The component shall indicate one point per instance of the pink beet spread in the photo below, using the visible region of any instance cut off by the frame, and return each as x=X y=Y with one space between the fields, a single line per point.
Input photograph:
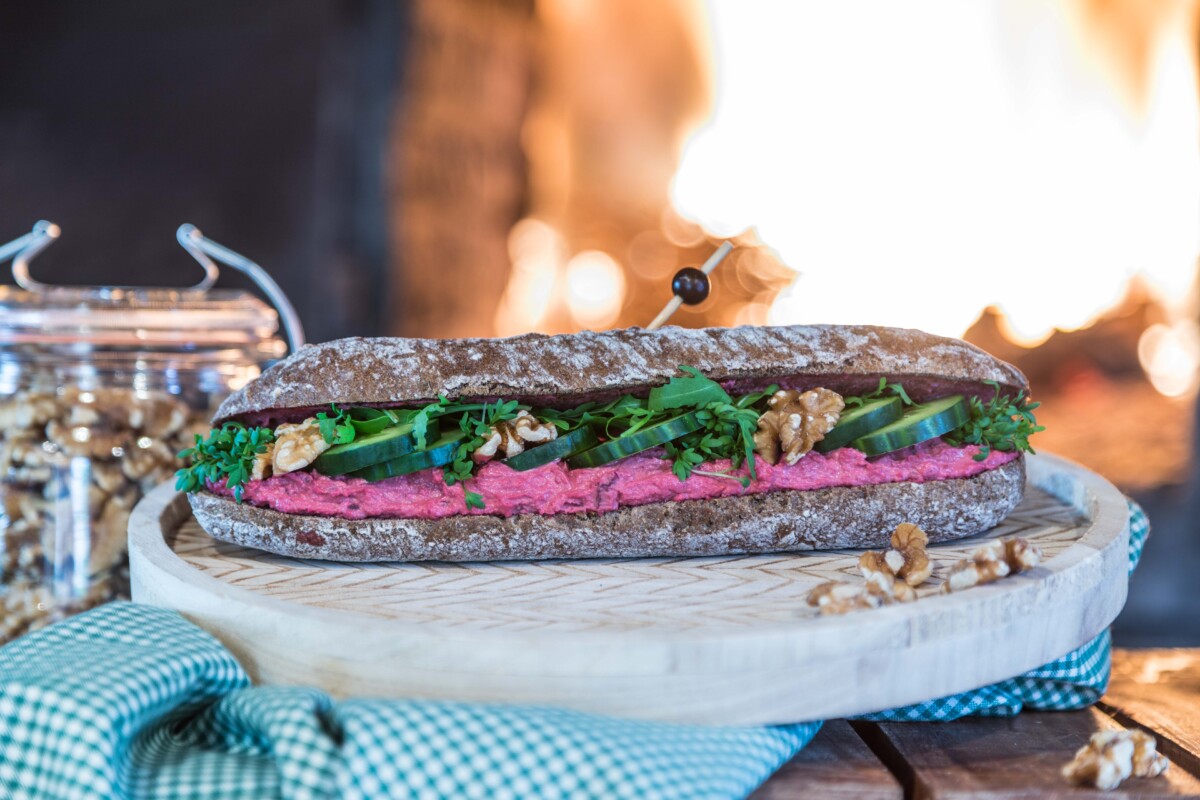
x=641 y=479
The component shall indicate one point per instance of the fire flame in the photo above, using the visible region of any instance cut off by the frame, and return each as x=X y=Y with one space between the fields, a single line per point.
x=916 y=162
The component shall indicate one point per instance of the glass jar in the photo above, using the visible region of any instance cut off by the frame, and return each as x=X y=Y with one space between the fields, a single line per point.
x=100 y=388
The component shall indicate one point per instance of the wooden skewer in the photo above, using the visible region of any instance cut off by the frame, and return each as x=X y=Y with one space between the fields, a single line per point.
x=676 y=301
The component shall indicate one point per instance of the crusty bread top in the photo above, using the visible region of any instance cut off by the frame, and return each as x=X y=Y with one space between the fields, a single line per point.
x=409 y=371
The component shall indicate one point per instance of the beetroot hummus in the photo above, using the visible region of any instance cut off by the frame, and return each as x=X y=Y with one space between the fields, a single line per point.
x=634 y=481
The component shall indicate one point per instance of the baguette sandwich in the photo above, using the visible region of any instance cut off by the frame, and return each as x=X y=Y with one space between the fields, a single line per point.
x=623 y=443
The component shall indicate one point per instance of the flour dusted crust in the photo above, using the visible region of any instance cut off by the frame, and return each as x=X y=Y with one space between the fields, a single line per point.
x=561 y=368
x=784 y=521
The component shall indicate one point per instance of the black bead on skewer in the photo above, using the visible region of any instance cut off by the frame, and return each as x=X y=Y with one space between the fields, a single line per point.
x=691 y=285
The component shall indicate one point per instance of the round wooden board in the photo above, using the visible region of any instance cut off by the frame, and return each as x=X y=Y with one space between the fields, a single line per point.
x=725 y=640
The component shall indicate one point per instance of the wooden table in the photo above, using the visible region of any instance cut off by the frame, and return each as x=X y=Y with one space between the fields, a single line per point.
x=1017 y=757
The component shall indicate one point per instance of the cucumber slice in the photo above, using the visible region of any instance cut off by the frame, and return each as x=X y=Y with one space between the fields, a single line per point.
x=919 y=424
x=438 y=454
x=870 y=416
x=638 y=441
x=568 y=444
x=376 y=448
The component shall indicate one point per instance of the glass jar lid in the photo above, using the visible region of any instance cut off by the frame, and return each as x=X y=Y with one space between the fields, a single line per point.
x=98 y=318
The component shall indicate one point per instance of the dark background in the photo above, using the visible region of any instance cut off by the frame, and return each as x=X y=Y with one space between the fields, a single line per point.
x=263 y=123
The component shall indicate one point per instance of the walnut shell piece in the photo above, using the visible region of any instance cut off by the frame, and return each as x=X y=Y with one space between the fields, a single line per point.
x=795 y=421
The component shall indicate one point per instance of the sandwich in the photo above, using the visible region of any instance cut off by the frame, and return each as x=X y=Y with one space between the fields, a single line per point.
x=622 y=443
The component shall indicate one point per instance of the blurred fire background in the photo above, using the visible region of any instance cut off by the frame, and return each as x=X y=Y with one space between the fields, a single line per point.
x=1024 y=173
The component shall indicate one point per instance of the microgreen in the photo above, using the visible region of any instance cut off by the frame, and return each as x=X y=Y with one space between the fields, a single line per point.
x=227 y=454
x=1003 y=423
x=337 y=426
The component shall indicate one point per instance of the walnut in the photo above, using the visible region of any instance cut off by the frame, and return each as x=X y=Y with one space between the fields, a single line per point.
x=1110 y=757
x=1021 y=555
x=796 y=421
x=839 y=597
x=908 y=557
x=903 y=567
x=146 y=456
x=902 y=592
x=984 y=565
x=992 y=561
x=297 y=446
x=262 y=463
x=32 y=410
x=83 y=440
x=512 y=435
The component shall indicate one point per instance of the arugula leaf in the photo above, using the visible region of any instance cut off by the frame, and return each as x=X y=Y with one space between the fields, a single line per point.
x=1003 y=423
x=883 y=388
x=691 y=392
x=226 y=455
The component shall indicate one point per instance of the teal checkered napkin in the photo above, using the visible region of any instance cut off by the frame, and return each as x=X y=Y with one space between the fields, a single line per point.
x=134 y=701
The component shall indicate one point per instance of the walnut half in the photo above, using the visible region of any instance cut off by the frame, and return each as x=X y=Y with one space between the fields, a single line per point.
x=296 y=446
x=794 y=422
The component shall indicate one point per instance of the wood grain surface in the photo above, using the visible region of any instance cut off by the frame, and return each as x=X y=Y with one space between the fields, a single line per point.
x=1159 y=690
x=1016 y=757
x=1021 y=757
x=837 y=765
x=726 y=640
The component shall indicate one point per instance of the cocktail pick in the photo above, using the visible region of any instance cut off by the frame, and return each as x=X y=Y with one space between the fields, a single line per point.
x=690 y=286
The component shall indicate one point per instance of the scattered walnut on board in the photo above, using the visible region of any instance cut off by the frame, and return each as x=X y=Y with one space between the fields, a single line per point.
x=1110 y=757
x=511 y=436
x=795 y=421
x=840 y=597
x=991 y=562
x=902 y=568
x=296 y=446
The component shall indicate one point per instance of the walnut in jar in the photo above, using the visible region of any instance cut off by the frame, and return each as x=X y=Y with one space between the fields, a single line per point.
x=69 y=449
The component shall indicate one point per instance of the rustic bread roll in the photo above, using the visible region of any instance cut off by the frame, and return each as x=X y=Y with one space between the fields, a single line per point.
x=566 y=370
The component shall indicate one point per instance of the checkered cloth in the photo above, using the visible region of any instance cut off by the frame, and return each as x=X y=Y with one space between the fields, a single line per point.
x=133 y=701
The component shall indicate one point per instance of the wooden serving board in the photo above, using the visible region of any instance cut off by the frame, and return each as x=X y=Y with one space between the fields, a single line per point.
x=726 y=640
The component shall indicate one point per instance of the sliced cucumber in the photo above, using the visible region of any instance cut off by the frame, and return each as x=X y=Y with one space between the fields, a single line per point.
x=919 y=424
x=438 y=454
x=568 y=444
x=387 y=445
x=638 y=441
x=870 y=416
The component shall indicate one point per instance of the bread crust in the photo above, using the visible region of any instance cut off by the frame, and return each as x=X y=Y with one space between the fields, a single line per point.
x=782 y=521
x=561 y=370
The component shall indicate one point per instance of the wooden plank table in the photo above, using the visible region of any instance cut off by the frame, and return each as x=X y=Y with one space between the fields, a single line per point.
x=1009 y=758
